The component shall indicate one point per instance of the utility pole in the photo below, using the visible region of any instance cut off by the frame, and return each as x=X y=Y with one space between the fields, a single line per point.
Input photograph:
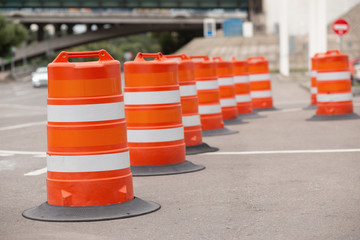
x=250 y=10
x=317 y=28
x=284 y=38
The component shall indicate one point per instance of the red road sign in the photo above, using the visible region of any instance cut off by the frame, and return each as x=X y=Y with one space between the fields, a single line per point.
x=340 y=27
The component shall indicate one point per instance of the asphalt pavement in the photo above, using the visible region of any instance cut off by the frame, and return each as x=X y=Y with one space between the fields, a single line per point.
x=280 y=177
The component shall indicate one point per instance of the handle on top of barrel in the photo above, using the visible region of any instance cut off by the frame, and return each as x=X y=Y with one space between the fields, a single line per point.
x=181 y=56
x=205 y=57
x=101 y=54
x=256 y=58
x=217 y=58
x=318 y=55
x=157 y=56
x=333 y=52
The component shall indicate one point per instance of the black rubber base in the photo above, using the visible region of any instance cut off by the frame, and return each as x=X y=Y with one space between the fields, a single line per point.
x=234 y=121
x=333 y=117
x=265 y=109
x=50 y=213
x=217 y=132
x=250 y=115
x=201 y=148
x=310 y=107
x=156 y=170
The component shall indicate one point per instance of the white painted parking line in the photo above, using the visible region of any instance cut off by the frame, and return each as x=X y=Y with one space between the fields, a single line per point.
x=286 y=152
x=43 y=155
x=23 y=107
x=22 y=152
x=36 y=172
x=6 y=154
x=23 y=125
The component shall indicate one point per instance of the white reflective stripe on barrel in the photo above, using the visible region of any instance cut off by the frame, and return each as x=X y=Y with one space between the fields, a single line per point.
x=228 y=81
x=155 y=135
x=260 y=94
x=313 y=90
x=243 y=98
x=313 y=73
x=241 y=79
x=208 y=84
x=338 y=97
x=331 y=76
x=88 y=163
x=155 y=97
x=209 y=109
x=85 y=112
x=259 y=77
x=230 y=102
x=188 y=90
x=190 y=121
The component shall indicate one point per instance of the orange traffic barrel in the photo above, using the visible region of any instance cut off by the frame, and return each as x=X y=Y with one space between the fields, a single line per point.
x=154 y=120
x=88 y=164
x=189 y=106
x=242 y=89
x=242 y=86
x=260 y=83
x=334 y=94
x=209 y=97
x=224 y=70
x=313 y=88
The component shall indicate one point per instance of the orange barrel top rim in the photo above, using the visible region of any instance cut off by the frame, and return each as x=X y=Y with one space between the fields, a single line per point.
x=158 y=72
x=314 y=61
x=332 y=59
x=257 y=64
x=185 y=68
x=240 y=67
x=224 y=68
x=206 y=68
x=140 y=65
x=67 y=79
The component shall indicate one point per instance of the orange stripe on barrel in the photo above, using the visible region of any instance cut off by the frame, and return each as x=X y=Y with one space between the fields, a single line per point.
x=153 y=115
x=86 y=138
x=106 y=187
x=260 y=85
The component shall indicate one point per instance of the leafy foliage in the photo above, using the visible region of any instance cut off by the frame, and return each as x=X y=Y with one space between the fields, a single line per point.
x=119 y=46
x=11 y=35
x=165 y=42
x=171 y=41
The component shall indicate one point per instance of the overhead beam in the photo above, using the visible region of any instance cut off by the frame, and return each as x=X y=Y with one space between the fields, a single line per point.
x=61 y=43
x=194 y=4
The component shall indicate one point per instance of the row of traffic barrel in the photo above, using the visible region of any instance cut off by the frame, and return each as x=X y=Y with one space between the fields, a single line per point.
x=100 y=136
x=331 y=93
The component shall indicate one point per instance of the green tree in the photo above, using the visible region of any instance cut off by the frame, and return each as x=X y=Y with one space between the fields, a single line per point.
x=119 y=46
x=11 y=35
x=170 y=42
x=116 y=47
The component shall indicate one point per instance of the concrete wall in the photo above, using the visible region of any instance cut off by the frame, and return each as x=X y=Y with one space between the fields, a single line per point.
x=267 y=46
x=299 y=14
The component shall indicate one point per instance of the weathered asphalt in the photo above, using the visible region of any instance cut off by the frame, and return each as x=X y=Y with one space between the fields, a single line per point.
x=253 y=194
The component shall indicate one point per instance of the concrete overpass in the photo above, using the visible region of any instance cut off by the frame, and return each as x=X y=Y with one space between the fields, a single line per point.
x=125 y=3
x=118 y=24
